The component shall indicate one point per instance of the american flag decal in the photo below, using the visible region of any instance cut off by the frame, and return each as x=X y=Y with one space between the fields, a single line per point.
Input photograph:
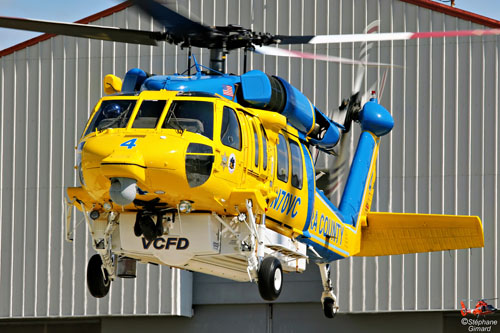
x=227 y=90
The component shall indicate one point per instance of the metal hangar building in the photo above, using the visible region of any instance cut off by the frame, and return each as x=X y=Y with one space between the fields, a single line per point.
x=441 y=157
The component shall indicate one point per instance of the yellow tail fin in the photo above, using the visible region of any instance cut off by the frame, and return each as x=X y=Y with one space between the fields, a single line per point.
x=398 y=233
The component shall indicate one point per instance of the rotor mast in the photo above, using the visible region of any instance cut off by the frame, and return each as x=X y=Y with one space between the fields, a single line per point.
x=218 y=60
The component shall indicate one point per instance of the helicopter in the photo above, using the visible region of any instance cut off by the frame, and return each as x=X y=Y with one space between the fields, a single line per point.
x=482 y=308
x=213 y=172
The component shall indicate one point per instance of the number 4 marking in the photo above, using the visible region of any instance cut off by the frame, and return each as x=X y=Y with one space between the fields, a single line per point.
x=129 y=144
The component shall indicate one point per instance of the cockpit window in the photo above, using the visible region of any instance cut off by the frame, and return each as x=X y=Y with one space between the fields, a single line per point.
x=296 y=165
x=112 y=114
x=230 y=130
x=264 y=148
x=256 y=140
x=149 y=113
x=282 y=159
x=192 y=116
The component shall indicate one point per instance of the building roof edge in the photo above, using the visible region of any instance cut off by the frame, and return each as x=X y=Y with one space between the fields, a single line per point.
x=86 y=20
x=456 y=12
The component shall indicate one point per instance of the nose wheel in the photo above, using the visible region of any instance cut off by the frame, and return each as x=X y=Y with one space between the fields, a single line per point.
x=270 y=278
x=98 y=280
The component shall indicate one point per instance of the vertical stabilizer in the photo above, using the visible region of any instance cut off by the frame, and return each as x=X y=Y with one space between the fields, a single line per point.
x=356 y=200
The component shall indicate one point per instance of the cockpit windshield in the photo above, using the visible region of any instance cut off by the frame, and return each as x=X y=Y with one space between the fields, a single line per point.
x=149 y=113
x=192 y=116
x=112 y=114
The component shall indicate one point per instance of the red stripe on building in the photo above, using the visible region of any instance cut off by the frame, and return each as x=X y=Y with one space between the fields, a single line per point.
x=455 y=12
x=86 y=20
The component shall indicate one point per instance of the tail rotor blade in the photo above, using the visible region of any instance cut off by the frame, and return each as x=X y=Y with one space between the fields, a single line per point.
x=339 y=167
x=336 y=174
x=382 y=85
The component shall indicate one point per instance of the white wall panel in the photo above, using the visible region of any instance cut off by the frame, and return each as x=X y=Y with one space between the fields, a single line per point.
x=51 y=88
x=441 y=157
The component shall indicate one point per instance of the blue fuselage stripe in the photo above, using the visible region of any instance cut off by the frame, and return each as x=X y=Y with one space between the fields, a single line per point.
x=327 y=254
x=334 y=209
x=356 y=183
x=311 y=185
x=323 y=243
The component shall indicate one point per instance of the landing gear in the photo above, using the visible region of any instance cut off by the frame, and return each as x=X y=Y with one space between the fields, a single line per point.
x=329 y=307
x=328 y=299
x=98 y=280
x=269 y=273
x=270 y=278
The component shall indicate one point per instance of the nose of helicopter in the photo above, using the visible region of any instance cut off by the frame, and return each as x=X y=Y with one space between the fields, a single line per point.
x=124 y=164
x=146 y=166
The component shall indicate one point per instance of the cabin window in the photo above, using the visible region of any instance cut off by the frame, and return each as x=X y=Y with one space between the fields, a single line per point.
x=264 y=148
x=256 y=139
x=282 y=171
x=191 y=116
x=149 y=113
x=112 y=114
x=199 y=162
x=296 y=165
x=230 y=130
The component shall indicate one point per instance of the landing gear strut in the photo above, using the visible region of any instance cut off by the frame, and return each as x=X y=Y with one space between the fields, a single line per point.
x=328 y=299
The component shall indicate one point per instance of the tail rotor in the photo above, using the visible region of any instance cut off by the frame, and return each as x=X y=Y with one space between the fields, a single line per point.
x=349 y=110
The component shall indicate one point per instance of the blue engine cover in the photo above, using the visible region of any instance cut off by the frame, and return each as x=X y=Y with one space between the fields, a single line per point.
x=256 y=89
x=298 y=109
x=133 y=80
x=276 y=94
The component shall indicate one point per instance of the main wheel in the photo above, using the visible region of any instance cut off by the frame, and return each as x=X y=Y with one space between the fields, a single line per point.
x=270 y=278
x=329 y=308
x=97 y=281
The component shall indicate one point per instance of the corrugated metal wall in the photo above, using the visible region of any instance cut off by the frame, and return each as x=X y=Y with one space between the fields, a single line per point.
x=47 y=91
x=440 y=158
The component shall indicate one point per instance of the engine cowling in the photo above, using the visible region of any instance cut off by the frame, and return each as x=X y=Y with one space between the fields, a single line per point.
x=273 y=93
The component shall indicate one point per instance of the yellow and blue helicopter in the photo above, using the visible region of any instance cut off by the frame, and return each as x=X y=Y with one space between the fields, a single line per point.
x=213 y=173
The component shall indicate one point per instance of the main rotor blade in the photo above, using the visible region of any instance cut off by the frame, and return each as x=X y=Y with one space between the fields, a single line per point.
x=84 y=30
x=175 y=24
x=386 y=36
x=274 y=51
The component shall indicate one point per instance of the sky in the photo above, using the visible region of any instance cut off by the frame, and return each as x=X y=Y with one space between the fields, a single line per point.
x=73 y=10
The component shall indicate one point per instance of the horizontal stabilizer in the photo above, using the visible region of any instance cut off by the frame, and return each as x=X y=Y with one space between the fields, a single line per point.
x=398 y=233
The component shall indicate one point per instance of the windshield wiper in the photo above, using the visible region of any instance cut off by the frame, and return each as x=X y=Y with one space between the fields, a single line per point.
x=176 y=125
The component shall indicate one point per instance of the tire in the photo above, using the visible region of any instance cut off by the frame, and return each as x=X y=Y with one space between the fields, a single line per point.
x=97 y=283
x=328 y=308
x=270 y=278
